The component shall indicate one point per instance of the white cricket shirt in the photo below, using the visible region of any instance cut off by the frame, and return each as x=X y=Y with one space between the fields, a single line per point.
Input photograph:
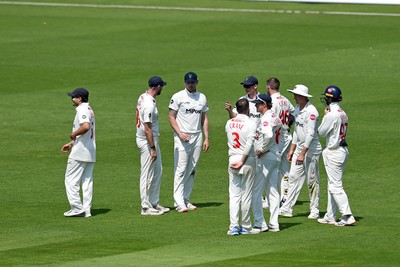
x=189 y=108
x=84 y=147
x=254 y=115
x=241 y=133
x=270 y=133
x=334 y=126
x=282 y=107
x=146 y=111
x=305 y=129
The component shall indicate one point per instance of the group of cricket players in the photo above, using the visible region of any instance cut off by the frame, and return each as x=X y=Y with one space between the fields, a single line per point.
x=273 y=148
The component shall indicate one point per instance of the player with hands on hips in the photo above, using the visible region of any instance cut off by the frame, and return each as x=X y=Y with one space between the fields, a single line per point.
x=334 y=127
x=79 y=171
x=268 y=151
x=304 y=154
x=147 y=135
x=188 y=118
x=241 y=132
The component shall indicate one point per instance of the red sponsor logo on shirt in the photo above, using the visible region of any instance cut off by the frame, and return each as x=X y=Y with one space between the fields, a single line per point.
x=265 y=123
x=313 y=117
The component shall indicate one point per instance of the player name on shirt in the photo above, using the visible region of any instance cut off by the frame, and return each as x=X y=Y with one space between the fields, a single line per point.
x=236 y=124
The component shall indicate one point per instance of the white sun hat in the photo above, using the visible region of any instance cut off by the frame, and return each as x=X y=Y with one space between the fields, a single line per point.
x=300 y=89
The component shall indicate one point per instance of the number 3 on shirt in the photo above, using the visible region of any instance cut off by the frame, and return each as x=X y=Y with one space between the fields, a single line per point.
x=236 y=143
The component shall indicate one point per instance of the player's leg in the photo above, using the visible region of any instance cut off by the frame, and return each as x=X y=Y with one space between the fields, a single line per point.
x=273 y=193
x=146 y=173
x=193 y=159
x=247 y=182
x=261 y=173
x=337 y=164
x=73 y=176
x=180 y=162
x=296 y=180
x=284 y=168
x=154 y=193
x=311 y=165
x=234 y=198
x=87 y=187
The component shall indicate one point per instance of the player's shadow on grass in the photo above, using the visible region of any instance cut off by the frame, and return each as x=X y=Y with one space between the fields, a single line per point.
x=96 y=212
x=285 y=226
x=301 y=203
x=208 y=204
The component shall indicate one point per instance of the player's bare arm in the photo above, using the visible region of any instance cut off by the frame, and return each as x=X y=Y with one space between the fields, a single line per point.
x=172 y=120
x=228 y=107
x=150 y=140
x=204 y=123
x=81 y=130
x=67 y=147
x=291 y=151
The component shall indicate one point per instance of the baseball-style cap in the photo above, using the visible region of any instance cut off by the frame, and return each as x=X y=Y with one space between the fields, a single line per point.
x=300 y=89
x=82 y=92
x=262 y=98
x=155 y=81
x=190 y=77
x=250 y=80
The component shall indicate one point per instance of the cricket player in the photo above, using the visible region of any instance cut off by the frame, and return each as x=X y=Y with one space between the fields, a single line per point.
x=282 y=107
x=268 y=152
x=241 y=132
x=304 y=154
x=147 y=134
x=82 y=157
x=334 y=127
x=188 y=117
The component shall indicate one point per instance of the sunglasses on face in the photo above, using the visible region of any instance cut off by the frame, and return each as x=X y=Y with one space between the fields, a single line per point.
x=247 y=86
x=190 y=82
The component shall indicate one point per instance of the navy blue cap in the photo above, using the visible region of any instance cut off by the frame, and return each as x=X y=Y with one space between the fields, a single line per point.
x=262 y=98
x=155 y=81
x=250 y=80
x=190 y=77
x=82 y=92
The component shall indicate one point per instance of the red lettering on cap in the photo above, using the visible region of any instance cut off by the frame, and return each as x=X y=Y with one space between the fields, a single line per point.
x=313 y=117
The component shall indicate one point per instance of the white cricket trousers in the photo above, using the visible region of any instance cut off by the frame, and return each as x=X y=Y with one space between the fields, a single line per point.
x=240 y=193
x=79 y=173
x=268 y=172
x=335 y=162
x=150 y=174
x=284 y=168
x=186 y=156
x=298 y=173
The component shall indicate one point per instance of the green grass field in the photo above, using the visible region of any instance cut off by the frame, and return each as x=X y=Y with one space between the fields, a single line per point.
x=47 y=51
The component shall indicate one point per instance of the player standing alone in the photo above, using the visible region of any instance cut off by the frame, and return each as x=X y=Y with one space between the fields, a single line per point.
x=187 y=116
x=334 y=126
x=82 y=157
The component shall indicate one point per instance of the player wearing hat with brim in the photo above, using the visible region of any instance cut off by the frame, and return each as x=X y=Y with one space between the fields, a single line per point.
x=304 y=154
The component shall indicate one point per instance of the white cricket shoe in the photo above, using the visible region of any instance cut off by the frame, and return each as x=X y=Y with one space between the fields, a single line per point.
x=249 y=231
x=161 y=208
x=74 y=213
x=151 y=211
x=181 y=209
x=234 y=231
x=190 y=206
x=273 y=228
x=285 y=214
x=313 y=216
x=263 y=228
x=88 y=214
x=350 y=220
x=326 y=220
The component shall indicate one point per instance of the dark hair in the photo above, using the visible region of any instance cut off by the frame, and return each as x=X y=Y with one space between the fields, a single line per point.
x=242 y=106
x=84 y=99
x=274 y=83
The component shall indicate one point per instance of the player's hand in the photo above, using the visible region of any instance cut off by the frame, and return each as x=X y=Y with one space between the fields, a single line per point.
x=184 y=137
x=206 y=145
x=72 y=136
x=153 y=154
x=228 y=106
x=66 y=148
x=290 y=156
x=300 y=159
x=259 y=153
x=237 y=165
